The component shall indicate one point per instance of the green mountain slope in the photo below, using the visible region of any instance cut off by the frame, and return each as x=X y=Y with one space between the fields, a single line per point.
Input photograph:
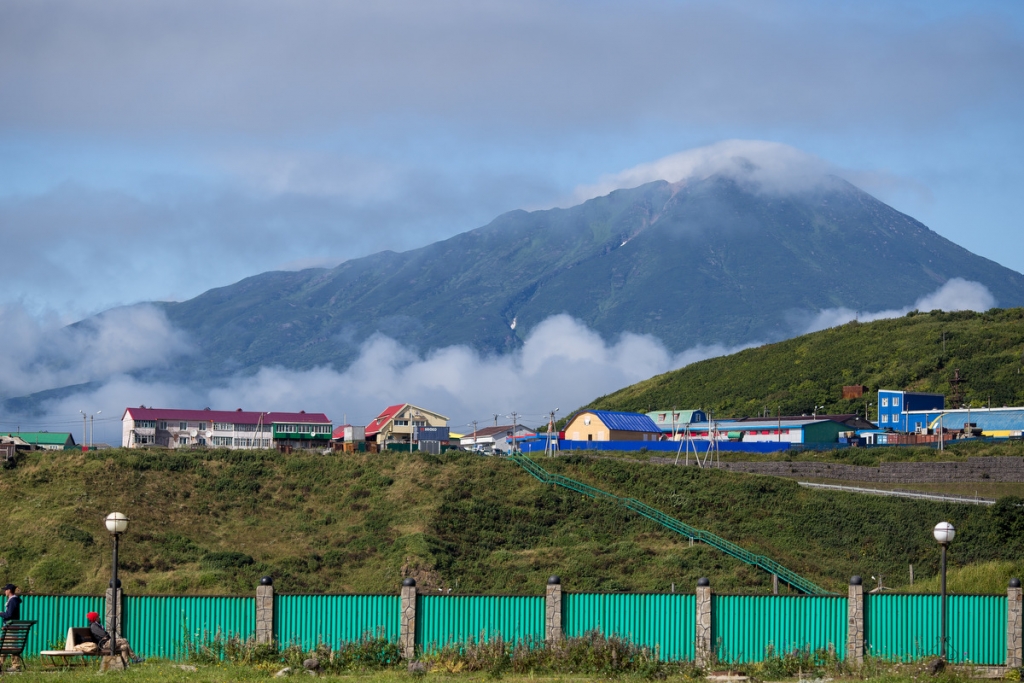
x=918 y=352
x=215 y=521
x=703 y=262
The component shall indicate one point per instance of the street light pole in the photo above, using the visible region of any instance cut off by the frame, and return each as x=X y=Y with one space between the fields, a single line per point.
x=116 y=524
x=944 y=533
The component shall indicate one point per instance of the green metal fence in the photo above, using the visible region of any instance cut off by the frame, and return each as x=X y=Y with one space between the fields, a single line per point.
x=158 y=626
x=307 y=620
x=898 y=627
x=662 y=621
x=977 y=628
x=444 y=619
x=746 y=627
x=56 y=614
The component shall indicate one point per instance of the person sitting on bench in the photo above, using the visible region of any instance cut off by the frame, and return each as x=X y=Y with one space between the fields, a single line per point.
x=12 y=612
x=103 y=638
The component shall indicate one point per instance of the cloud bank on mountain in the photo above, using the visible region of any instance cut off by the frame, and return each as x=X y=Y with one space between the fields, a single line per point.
x=561 y=365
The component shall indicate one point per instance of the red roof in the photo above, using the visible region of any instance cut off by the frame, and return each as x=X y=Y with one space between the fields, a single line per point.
x=339 y=431
x=378 y=423
x=232 y=416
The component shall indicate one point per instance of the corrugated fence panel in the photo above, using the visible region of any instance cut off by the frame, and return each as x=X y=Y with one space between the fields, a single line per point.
x=443 y=619
x=664 y=621
x=156 y=626
x=56 y=614
x=977 y=628
x=902 y=627
x=334 y=619
x=745 y=626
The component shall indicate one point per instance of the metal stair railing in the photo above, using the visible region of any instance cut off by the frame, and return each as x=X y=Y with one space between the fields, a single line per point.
x=728 y=547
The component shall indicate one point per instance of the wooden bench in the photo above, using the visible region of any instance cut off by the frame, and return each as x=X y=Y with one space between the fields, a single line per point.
x=76 y=636
x=13 y=638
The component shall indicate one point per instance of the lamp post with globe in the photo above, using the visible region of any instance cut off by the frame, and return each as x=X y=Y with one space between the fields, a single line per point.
x=944 y=533
x=116 y=524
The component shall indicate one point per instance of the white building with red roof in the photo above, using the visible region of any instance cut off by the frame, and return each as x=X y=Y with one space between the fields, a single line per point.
x=396 y=423
x=178 y=428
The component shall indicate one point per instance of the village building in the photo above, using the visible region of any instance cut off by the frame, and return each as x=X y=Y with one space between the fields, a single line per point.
x=607 y=425
x=47 y=441
x=182 y=428
x=494 y=439
x=396 y=423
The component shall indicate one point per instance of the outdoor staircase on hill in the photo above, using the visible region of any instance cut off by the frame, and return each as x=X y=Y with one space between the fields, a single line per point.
x=787 y=576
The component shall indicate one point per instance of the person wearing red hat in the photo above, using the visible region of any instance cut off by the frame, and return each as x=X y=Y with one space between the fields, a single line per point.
x=103 y=638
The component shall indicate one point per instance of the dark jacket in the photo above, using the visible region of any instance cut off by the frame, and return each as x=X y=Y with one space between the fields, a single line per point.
x=99 y=633
x=12 y=611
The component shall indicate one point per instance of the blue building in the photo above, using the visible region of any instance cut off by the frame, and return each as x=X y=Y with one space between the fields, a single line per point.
x=995 y=422
x=676 y=420
x=894 y=406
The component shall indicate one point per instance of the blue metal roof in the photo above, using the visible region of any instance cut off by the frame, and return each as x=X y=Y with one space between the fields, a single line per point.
x=625 y=422
x=994 y=420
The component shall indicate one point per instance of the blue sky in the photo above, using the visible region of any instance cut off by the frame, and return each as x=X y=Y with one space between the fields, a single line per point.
x=155 y=150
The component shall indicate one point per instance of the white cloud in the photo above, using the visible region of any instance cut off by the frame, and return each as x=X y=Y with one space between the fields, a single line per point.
x=562 y=364
x=956 y=295
x=39 y=355
x=757 y=164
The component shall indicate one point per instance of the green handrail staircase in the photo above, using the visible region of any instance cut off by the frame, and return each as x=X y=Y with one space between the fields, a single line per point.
x=671 y=523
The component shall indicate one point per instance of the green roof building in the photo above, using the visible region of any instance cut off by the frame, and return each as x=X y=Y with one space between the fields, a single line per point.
x=50 y=441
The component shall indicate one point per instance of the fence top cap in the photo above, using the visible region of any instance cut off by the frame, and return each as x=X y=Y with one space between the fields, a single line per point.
x=703 y=581
x=1014 y=583
x=409 y=581
x=267 y=581
x=855 y=580
x=554 y=580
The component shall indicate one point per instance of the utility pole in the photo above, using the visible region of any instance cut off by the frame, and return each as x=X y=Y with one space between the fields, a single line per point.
x=513 y=450
x=549 y=448
x=85 y=429
x=474 y=435
x=495 y=419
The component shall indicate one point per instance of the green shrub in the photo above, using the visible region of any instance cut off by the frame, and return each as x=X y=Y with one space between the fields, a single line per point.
x=225 y=560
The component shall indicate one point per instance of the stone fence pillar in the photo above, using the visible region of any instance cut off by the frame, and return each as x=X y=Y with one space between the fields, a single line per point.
x=1014 y=646
x=109 y=609
x=855 y=622
x=553 y=611
x=265 y=611
x=704 y=647
x=407 y=623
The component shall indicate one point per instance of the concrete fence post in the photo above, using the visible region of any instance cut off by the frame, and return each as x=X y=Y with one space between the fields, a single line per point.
x=109 y=609
x=265 y=611
x=553 y=611
x=704 y=648
x=855 y=622
x=407 y=624
x=1014 y=610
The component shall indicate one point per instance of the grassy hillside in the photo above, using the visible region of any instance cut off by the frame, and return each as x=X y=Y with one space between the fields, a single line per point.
x=213 y=522
x=798 y=374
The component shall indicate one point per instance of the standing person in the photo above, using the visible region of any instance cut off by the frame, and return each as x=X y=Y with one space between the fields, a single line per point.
x=103 y=638
x=12 y=612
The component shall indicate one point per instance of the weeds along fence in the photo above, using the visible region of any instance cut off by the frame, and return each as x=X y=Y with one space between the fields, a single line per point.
x=744 y=628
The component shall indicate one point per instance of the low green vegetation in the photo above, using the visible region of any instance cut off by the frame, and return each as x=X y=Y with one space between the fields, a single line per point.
x=213 y=522
x=918 y=352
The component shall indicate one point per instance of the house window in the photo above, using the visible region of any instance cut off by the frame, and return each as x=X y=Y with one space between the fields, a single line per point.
x=163 y=425
x=223 y=427
x=401 y=423
x=183 y=425
x=419 y=423
x=222 y=441
x=885 y=418
x=183 y=441
x=895 y=401
x=885 y=403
